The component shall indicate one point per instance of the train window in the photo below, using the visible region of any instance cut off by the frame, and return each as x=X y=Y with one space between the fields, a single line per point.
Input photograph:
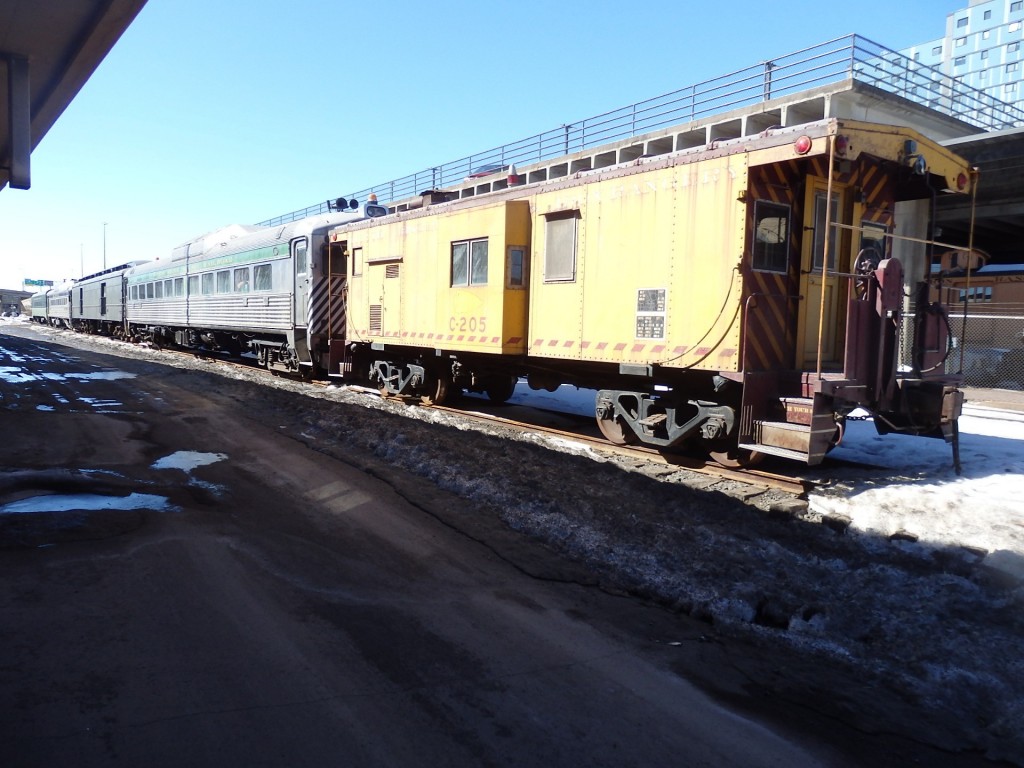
x=224 y=281
x=820 y=228
x=193 y=285
x=135 y=293
x=560 y=247
x=357 y=261
x=770 y=252
x=469 y=262
x=207 y=283
x=242 y=280
x=149 y=290
x=460 y=263
x=872 y=240
x=516 y=267
x=300 y=257
x=478 y=262
x=262 y=274
x=179 y=287
x=159 y=288
x=169 y=289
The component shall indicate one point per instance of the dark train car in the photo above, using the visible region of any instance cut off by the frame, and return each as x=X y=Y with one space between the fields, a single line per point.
x=98 y=301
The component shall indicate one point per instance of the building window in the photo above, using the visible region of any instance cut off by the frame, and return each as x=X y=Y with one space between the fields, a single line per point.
x=1012 y=47
x=961 y=42
x=469 y=262
x=937 y=50
x=770 y=252
x=959 y=61
x=984 y=55
x=961 y=23
x=1015 y=27
x=988 y=15
x=977 y=293
x=560 y=247
x=263 y=274
x=1015 y=7
x=1011 y=67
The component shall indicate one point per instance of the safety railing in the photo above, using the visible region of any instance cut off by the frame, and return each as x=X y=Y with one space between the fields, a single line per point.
x=845 y=58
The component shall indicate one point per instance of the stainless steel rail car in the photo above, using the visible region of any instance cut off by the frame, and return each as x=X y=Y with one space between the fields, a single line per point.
x=260 y=290
x=98 y=301
x=52 y=306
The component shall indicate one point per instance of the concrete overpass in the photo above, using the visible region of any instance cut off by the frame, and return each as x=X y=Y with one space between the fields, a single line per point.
x=999 y=213
x=48 y=50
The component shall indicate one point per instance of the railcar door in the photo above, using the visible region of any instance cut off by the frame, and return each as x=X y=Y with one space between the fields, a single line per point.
x=300 y=263
x=819 y=232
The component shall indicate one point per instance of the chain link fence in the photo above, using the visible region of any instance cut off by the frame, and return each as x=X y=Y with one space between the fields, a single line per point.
x=988 y=349
x=992 y=348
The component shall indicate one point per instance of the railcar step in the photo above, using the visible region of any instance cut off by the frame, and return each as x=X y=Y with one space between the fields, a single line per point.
x=797 y=410
x=775 y=451
x=783 y=434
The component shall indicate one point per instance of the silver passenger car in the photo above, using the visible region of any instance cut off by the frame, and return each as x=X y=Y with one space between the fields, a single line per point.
x=242 y=289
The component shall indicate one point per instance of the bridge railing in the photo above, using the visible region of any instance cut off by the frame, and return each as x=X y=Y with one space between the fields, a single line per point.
x=844 y=58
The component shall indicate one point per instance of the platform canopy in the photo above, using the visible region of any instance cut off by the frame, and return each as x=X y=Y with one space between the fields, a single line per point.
x=48 y=50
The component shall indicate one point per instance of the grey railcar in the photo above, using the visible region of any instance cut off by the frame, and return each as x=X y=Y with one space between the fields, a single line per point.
x=97 y=301
x=242 y=289
x=58 y=305
x=38 y=303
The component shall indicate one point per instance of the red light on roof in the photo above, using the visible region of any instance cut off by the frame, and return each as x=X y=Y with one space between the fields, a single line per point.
x=802 y=145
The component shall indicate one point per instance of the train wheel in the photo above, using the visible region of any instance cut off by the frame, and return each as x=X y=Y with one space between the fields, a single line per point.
x=737 y=458
x=436 y=391
x=616 y=432
x=500 y=388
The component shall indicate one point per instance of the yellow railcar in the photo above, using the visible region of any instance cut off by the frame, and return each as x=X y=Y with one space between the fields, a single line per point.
x=745 y=296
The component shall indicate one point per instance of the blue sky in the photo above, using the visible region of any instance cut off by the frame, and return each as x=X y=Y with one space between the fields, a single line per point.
x=210 y=113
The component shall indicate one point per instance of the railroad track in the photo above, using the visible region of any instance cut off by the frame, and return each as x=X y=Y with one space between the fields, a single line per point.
x=753 y=476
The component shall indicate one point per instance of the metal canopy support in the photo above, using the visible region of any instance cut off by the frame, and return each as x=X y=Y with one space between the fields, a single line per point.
x=20 y=122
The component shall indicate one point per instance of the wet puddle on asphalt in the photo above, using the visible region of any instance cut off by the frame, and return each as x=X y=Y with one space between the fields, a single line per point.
x=188 y=460
x=50 y=503
x=87 y=502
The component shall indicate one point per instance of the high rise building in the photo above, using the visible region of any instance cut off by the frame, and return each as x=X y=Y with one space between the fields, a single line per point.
x=981 y=48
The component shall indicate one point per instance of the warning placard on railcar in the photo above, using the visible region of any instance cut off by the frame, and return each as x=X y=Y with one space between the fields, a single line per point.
x=650 y=313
